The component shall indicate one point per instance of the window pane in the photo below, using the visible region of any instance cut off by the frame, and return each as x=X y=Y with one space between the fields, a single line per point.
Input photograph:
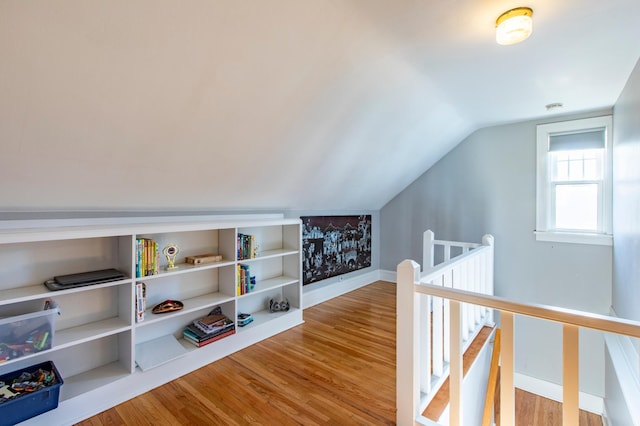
x=577 y=165
x=577 y=207
x=591 y=169
x=562 y=170
x=575 y=169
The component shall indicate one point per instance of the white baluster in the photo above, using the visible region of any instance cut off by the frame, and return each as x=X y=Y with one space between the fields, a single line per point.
x=425 y=343
x=437 y=350
x=407 y=353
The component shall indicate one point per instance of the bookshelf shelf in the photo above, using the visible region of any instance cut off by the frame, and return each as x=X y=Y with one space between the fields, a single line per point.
x=39 y=291
x=270 y=284
x=89 y=331
x=91 y=380
x=99 y=346
x=269 y=254
x=185 y=268
x=190 y=305
x=263 y=317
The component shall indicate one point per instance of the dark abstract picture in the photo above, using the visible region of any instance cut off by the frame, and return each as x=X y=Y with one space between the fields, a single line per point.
x=334 y=245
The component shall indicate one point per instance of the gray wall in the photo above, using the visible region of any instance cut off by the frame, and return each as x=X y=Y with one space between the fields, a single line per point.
x=626 y=231
x=487 y=185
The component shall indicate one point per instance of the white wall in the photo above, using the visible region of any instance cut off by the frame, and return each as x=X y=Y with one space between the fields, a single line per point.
x=626 y=203
x=487 y=185
x=626 y=249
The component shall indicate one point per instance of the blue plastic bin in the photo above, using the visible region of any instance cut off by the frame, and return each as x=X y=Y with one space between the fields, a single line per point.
x=30 y=404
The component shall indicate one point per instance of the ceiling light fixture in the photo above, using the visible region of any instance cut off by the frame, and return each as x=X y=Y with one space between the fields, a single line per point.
x=514 y=25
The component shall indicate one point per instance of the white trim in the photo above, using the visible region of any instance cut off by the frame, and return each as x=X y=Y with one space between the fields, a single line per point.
x=121 y=218
x=574 y=237
x=391 y=276
x=588 y=402
x=322 y=294
x=544 y=221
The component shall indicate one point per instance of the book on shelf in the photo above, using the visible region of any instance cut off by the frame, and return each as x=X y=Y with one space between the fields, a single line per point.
x=203 y=342
x=212 y=323
x=247 y=247
x=147 y=257
x=197 y=334
x=213 y=326
x=141 y=301
x=245 y=281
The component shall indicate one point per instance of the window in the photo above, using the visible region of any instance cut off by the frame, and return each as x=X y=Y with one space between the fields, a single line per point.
x=574 y=181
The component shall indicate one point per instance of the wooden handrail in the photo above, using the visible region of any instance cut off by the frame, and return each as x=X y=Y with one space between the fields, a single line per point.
x=552 y=313
x=492 y=382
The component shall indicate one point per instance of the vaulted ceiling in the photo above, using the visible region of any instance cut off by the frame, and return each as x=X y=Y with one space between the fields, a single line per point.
x=277 y=104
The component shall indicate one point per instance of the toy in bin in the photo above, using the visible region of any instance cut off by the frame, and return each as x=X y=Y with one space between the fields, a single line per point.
x=28 y=392
x=26 y=334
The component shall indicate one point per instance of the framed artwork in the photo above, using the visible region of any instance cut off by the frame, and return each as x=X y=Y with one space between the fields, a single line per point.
x=334 y=245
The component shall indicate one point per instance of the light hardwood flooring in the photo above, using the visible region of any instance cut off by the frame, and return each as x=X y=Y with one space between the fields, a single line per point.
x=338 y=368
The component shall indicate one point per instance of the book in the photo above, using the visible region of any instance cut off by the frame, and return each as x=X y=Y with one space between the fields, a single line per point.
x=147 y=257
x=141 y=302
x=212 y=339
x=247 y=248
x=212 y=323
x=197 y=334
x=244 y=279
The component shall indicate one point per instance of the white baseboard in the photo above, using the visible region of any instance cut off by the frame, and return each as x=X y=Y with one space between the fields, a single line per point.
x=391 y=276
x=338 y=288
x=591 y=403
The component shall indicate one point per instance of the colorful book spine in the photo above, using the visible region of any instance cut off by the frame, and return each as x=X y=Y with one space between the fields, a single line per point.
x=244 y=279
x=141 y=301
x=147 y=257
x=246 y=246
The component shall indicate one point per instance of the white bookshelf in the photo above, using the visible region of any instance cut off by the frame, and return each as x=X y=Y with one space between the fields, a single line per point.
x=97 y=339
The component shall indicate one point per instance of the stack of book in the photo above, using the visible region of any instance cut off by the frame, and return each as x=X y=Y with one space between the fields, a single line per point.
x=209 y=329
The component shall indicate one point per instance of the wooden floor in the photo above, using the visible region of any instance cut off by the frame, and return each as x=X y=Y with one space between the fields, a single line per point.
x=338 y=368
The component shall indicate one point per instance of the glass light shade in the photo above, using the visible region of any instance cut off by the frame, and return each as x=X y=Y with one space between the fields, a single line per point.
x=514 y=26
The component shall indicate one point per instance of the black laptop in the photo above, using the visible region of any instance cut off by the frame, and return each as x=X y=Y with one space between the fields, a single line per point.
x=61 y=282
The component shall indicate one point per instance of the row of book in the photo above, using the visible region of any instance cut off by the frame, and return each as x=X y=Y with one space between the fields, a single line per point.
x=247 y=247
x=147 y=257
x=209 y=329
x=246 y=282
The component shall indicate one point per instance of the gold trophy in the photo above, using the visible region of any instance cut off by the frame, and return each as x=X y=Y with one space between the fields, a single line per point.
x=170 y=252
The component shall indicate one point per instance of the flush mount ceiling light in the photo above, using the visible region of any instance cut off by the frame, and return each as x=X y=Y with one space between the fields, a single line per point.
x=514 y=25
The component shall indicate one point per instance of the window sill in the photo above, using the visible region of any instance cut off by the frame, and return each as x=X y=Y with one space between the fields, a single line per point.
x=574 y=237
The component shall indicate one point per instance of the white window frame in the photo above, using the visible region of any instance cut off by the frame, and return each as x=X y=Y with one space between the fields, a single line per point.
x=544 y=194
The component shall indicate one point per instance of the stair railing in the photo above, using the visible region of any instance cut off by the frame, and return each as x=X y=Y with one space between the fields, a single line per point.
x=411 y=288
x=467 y=266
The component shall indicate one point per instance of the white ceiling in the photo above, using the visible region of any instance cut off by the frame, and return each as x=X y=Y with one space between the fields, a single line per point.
x=288 y=104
